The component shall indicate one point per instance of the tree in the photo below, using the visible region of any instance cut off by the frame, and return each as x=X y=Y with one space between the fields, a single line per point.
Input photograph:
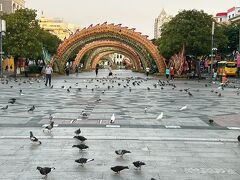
x=192 y=29
x=22 y=36
x=232 y=33
x=49 y=41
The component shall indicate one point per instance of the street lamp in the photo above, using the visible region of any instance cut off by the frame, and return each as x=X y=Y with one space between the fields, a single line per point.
x=2 y=31
x=213 y=25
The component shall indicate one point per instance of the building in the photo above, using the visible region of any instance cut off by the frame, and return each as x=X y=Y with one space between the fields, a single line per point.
x=231 y=15
x=159 y=21
x=57 y=27
x=10 y=6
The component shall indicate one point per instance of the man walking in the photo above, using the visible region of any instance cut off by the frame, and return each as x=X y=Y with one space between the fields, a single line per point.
x=147 y=70
x=48 y=72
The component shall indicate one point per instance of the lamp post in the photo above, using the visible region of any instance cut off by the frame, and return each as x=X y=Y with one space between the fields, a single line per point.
x=2 y=30
x=211 y=73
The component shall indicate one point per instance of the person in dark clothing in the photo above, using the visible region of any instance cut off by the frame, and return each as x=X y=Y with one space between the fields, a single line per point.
x=96 y=70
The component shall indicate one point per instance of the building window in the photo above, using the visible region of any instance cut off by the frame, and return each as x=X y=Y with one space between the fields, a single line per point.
x=1 y=7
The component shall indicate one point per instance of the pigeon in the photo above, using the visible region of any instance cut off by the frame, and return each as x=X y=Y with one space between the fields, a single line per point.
x=112 y=119
x=49 y=127
x=5 y=108
x=117 y=169
x=145 y=109
x=31 y=109
x=34 y=139
x=78 y=131
x=80 y=138
x=50 y=117
x=210 y=121
x=68 y=90
x=153 y=179
x=160 y=116
x=148 y=88
x=190 y=94
x=83 y=161
x=12 y=100
x=138 y=164
x=238 y=138
x=183 y=108
x=81 y=146
x=45 y=170
x=84 y=114
x=122 y=152
x=219 y=95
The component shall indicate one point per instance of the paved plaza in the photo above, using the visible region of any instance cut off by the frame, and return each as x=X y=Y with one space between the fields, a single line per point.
x=183 y=145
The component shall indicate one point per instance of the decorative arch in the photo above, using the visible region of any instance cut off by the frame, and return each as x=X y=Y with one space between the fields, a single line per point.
x=106 y=53
x=147 y=52
x=100 y=50
x=98 y=44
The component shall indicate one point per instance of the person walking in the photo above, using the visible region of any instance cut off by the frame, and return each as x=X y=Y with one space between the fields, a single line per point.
x=147 y=70
x=171 y=73
x=48 y=72
x=167 y=72
x=96 y=70
x=110 y=71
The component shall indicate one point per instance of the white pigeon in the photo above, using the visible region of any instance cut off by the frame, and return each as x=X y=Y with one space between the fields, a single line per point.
x=183 y=108
x=145 y=109
x=160 y=116
x=112 y=119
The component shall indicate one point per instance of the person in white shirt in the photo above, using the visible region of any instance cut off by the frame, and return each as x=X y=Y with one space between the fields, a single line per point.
x=48 y=72
x=147 y=70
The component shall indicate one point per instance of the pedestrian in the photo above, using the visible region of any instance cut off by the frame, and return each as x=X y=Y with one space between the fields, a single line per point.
x=147 y=70
x=171 y=73
x=76 y=70
x=110 y=71
x=48 y=72
x=167 y=72
x=67 y=70
x=96 y=70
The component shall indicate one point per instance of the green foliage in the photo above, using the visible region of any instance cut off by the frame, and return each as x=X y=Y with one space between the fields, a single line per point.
x=34 y=69
x=192 y=29
x=24 y=37
x=232 y=33
x=49 y=41
x=22 y=34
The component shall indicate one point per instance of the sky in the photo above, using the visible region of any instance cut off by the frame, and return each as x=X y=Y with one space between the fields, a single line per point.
x=139 y=14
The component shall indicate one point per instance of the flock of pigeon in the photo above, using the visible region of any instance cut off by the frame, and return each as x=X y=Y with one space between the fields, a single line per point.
x=82 y=146
x=128 y=83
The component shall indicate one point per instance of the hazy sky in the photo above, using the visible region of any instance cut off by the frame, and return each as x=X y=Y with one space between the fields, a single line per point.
x=139 y=14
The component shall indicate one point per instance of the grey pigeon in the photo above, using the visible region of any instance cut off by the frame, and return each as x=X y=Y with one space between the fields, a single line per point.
x=138 y=164
x=238 y=138
x=49 y=127
x=31 y=109
x=122 y=152
x=33 y=138
x=117 y=169
x=5 y=108
x=80 y=138
x=81 y=146
x=78 y=131
x=83 y=161
x=45 y=170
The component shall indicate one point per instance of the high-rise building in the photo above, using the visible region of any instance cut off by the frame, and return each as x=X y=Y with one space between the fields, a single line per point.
x=57 y=27
x=10 y=6
x=159 y=21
